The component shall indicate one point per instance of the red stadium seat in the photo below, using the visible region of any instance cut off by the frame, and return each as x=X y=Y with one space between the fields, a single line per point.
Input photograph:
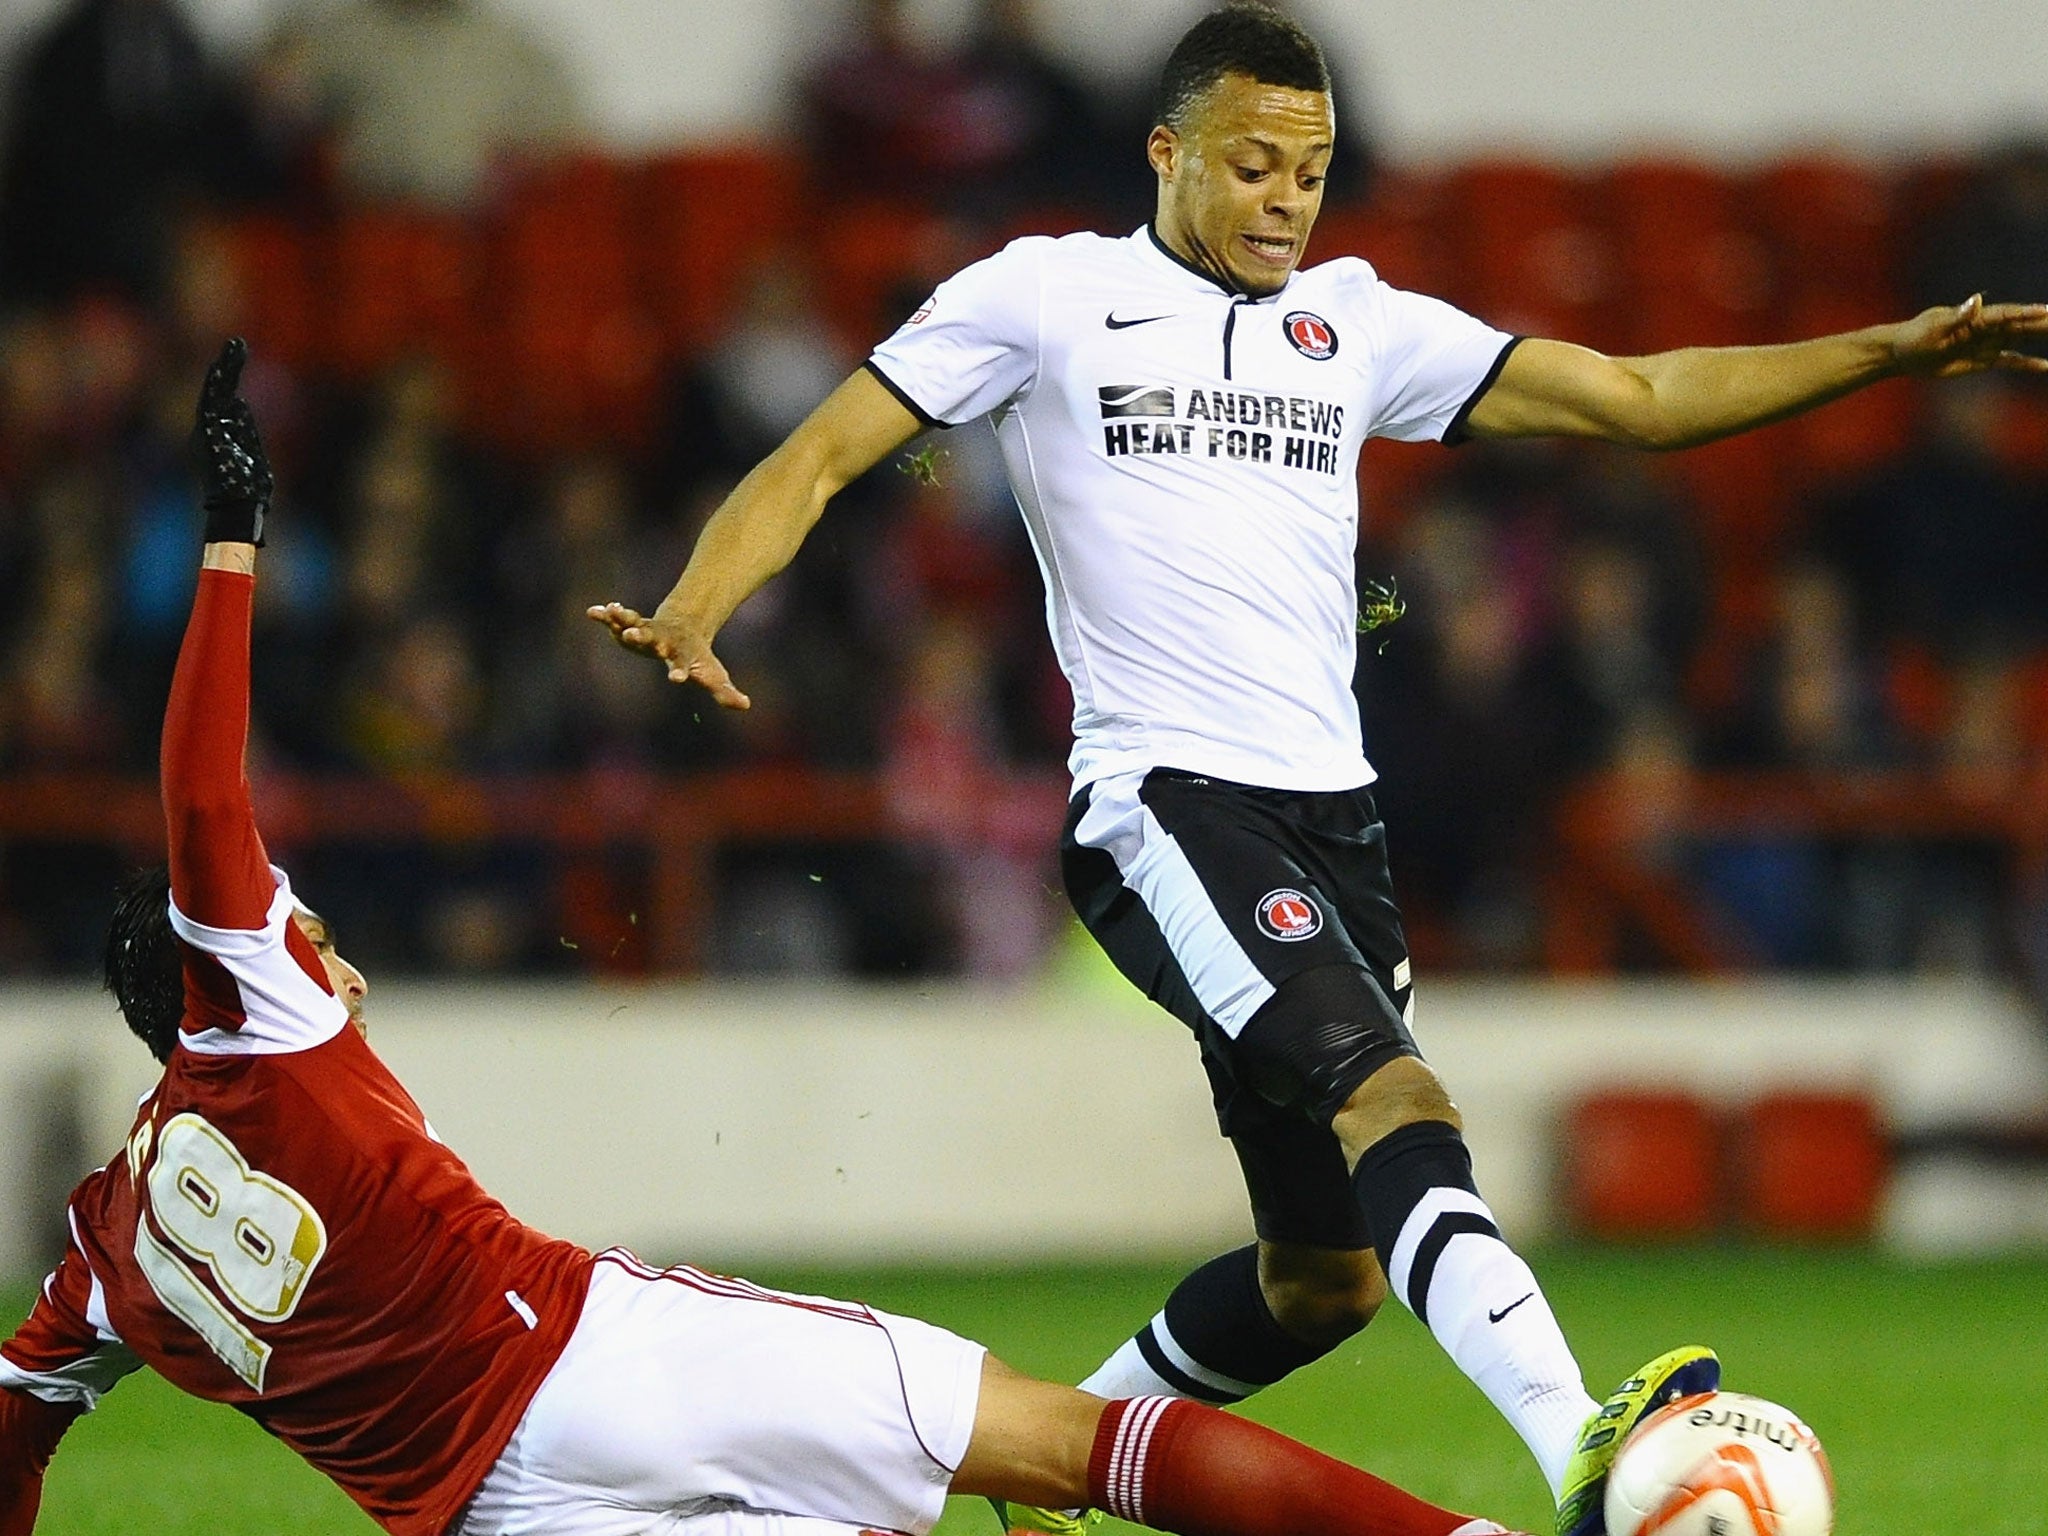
x=1400 y=232
x=1831 y=227
x=273 y=267
x=1811 y=1165
x=401 y=280
x=1692 y=273
x=563 y=238
x=577 y=353
x=711 y=215
x=877 y=259
x=1642 y=1163
x=1528 y=256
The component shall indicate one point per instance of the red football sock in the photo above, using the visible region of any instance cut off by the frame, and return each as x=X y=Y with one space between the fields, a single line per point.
x=1181 y=1467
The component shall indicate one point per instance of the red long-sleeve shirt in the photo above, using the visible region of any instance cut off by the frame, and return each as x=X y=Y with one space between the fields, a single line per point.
x=282 y=1231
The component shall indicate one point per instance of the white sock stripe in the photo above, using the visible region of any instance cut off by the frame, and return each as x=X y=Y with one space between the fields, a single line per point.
x=1113 y=1482
x=1154 y=1412
x=1437 y=1202
x=1122 y=1473
x=1170 y=1347
x=1126 y=1479
x=1131 y=1467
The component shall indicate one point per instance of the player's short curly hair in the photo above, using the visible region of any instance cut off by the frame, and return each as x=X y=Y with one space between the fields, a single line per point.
x=1245 y=37
x=143 y=969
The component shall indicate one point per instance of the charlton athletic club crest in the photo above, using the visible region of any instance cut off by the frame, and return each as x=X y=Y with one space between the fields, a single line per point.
x=1288 y=915
x=1312 y=335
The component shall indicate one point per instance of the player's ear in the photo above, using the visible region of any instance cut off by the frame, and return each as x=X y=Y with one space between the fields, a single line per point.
x=1163 y=149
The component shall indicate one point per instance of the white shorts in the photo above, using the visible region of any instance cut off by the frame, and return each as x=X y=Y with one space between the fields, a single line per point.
x=688 y=1402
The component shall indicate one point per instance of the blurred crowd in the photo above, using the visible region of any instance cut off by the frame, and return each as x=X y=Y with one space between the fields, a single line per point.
x=504 y=376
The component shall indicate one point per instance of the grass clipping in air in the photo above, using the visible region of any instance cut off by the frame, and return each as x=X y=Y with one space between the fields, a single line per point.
x=1381 y=603
x=923 y=466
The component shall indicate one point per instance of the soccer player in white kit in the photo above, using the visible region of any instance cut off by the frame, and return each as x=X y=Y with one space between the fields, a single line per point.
x=283 y=1232
x=1181 y=412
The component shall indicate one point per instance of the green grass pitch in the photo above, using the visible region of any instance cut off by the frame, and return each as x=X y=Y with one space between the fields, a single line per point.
x=1922 y=1380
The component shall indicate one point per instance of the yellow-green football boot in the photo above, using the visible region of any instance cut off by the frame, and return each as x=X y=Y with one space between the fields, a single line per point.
x=1047 y=1522
x=1688 y=1369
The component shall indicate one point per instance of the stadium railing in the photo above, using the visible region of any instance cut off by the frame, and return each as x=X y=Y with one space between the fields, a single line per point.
x=1616 y=879
x=1617 y=895
x=680 y=825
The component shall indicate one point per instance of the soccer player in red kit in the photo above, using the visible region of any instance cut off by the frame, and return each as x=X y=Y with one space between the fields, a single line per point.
x=284 y=1233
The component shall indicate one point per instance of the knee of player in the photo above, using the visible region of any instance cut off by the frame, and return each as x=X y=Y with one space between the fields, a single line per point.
x=1403 y=1092
x=1325 y=1309
x=1411 y=1088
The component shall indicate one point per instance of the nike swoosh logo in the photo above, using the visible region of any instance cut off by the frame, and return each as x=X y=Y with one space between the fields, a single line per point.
x=1494 y=1317
x=1115 y=324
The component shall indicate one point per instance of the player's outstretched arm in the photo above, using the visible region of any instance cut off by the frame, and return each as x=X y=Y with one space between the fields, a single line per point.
x=29 y=1431
x=758 y=530
x=220 y=875
x=1696 y=394
x=55 y=1367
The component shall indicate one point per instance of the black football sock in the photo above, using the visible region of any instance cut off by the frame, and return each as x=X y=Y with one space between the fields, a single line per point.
x=1216 y=1340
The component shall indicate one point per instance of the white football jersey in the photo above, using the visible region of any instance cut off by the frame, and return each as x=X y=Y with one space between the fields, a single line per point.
x=1186 y=461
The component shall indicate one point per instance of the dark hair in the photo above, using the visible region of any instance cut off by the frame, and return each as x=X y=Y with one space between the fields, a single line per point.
x=143 y=969
x=1246 y=37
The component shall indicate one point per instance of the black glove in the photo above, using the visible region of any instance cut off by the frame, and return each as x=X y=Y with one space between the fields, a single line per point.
x=234 y=476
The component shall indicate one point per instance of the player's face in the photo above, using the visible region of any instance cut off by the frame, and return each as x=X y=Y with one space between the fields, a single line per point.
x=1241 y=184
x=346 y=980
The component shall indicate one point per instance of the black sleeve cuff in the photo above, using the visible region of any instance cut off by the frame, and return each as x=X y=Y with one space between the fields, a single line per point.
x=1457 y=433
x=926 y=418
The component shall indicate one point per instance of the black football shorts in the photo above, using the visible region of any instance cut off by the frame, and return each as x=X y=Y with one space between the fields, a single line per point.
x=1264 y=920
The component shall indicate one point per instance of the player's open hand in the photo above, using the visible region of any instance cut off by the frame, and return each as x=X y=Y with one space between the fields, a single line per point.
x=1971 y=337
x=685 y=653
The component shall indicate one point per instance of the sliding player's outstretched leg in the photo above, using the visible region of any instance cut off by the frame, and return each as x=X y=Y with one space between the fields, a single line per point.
x=1178 y=1466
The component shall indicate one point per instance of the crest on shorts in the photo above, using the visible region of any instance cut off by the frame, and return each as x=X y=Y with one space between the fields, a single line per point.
x=1288 y=915
x=1312 y=335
